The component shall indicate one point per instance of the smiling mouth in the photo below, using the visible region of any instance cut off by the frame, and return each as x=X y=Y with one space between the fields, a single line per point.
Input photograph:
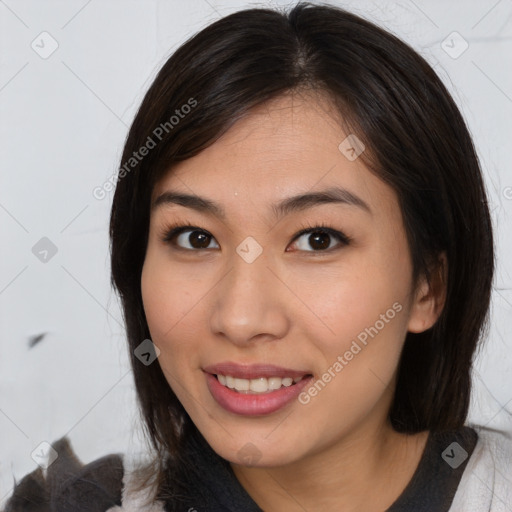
x=259 y=385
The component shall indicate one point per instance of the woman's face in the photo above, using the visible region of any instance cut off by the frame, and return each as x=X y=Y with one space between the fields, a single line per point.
x=240 y=300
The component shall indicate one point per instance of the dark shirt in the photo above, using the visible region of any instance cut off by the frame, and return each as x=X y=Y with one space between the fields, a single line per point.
x=438 y=474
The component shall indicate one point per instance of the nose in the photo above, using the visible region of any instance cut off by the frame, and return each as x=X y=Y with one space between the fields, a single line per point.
x=250 y=303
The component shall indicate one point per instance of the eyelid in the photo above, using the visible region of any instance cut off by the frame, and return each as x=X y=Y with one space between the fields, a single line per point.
x=170 y=232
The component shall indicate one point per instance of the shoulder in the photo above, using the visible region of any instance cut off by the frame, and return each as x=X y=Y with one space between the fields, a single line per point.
x=486 y=483
x=104 y=485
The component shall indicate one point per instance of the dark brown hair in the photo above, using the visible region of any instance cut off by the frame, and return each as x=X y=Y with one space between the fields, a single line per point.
x=416 y=141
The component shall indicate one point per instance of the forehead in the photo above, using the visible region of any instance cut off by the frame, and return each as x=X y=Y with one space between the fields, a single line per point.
x=291 y=145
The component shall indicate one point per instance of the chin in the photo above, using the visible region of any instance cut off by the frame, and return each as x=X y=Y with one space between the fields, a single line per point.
x=255 y=450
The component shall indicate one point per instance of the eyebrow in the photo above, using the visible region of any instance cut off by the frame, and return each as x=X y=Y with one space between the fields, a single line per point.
x=333 y=195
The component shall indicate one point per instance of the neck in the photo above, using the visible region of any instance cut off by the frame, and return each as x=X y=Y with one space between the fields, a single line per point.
x=352 y=475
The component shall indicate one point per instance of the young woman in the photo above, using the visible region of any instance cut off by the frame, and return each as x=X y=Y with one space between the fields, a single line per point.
x=301 y=240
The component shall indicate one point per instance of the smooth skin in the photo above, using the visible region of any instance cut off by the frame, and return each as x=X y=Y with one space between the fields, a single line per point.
x=296 y=305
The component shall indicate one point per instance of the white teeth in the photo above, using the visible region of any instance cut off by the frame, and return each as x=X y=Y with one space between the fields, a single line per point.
x=259 y=385
x=242 y=384
x=274 y=383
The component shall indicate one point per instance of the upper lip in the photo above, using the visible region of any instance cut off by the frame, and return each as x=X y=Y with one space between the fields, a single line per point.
x=253 y=371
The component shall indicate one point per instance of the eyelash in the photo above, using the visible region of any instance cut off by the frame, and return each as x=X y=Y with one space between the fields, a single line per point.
x=170 y=232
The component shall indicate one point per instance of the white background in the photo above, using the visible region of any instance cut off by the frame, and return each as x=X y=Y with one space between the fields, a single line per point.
x=63 y=121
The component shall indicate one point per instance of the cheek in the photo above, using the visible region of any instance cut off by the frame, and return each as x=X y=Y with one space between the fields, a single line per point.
x=361 y=323
x=168 y=296
x=156 y=298
x=340 y=301
x=359 y=357
x=368 y=336
x=172 y=305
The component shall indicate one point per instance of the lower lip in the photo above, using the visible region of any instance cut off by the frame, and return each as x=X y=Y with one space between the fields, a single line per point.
x=254 y=404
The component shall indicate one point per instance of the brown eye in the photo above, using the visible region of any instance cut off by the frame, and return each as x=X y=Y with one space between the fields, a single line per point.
x=190 y=238
x=318 y=239
x=198 y=239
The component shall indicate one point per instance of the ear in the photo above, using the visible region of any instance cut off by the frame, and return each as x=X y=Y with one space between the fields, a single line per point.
x=429 y=300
